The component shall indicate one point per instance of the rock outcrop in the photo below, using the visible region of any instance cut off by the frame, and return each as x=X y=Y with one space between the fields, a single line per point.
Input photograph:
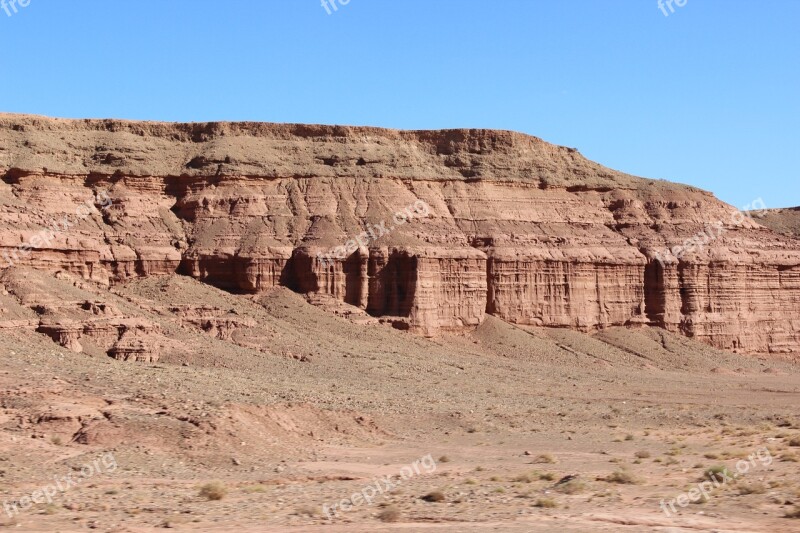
x=785 y=221
x=512 y=226
x=74 y=322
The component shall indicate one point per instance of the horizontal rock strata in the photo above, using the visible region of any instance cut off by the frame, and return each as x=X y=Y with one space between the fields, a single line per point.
x=515 y=227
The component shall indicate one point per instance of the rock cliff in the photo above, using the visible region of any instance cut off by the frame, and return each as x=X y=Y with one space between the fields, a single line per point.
x=512 y=226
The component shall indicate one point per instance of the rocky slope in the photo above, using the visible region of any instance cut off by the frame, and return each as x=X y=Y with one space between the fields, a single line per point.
x=786 y=220
x=506 y=411
x=428 y=229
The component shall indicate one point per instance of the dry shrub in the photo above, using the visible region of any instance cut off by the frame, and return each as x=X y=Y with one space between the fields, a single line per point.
x=390 y=514
x=213 y=491
x=434 y=497
x=622 y=477
x=574 y=486
x=718 y=473
x=752 y=488
x=526 y=478
x=546 y=503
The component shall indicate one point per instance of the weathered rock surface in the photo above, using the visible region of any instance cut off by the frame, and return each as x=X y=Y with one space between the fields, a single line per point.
x=786 y=220
x=75 y=322
x=515 y=227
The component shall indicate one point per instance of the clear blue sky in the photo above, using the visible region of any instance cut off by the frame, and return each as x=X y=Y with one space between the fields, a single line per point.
x=709 y=95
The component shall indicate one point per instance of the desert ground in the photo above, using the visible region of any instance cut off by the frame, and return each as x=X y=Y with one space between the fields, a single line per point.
x=306 y=403
x=434 y=267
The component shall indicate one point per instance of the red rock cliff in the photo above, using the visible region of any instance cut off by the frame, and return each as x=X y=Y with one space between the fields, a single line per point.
x=516 y=227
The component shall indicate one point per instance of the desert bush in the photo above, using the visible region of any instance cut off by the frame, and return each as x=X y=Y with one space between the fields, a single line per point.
x=434 y=497
x=752 y=488
x=213 y=491
x=526 y=478
x=306 y=510
x=718 y=473
x=574 y=486
x=252 y=489
x=622 y=477
x=546 y=503
x=390 y=514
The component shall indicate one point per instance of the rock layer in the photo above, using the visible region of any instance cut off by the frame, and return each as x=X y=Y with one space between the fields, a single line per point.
x=785 y=221
x=515 y=227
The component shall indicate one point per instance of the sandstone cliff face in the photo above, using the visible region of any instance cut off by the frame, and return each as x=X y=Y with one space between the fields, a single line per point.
x=515 y=227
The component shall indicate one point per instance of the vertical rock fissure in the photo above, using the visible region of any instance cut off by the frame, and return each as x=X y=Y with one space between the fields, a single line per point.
x=654 y=293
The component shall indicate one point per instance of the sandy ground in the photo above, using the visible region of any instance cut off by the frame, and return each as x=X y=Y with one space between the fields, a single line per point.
x=512 y=429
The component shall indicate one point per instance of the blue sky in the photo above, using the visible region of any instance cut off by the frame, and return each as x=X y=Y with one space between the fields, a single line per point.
x=709 y=95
